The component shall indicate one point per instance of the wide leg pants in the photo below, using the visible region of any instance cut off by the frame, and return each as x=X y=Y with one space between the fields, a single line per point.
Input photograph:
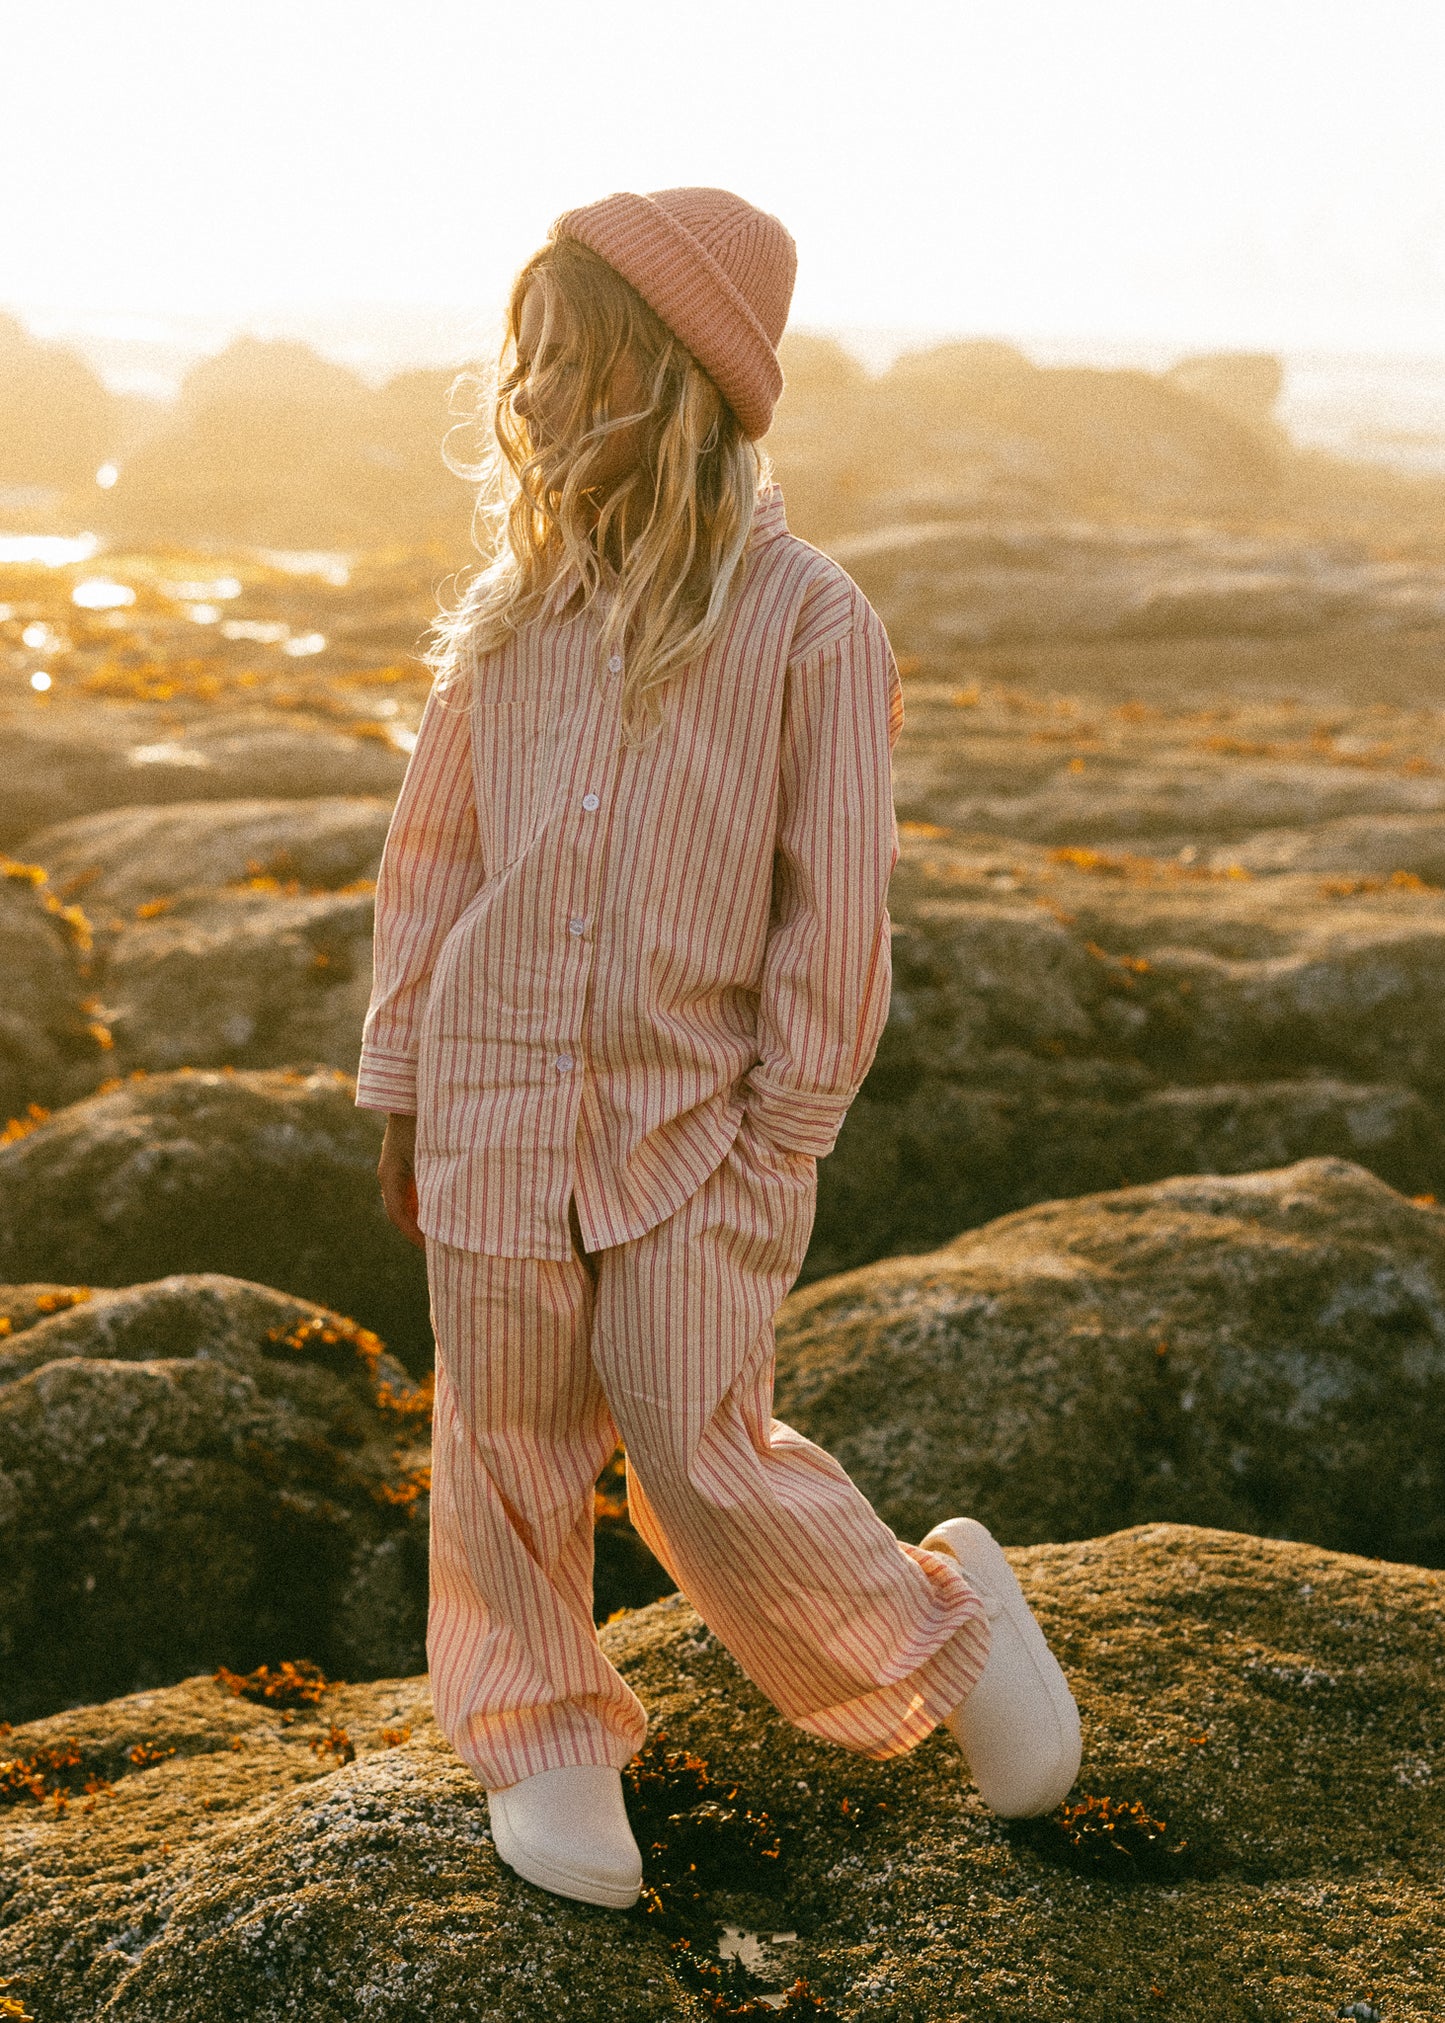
x=668 y=1341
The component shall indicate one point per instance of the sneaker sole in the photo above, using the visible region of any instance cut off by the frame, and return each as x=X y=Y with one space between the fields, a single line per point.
x=965 y=1540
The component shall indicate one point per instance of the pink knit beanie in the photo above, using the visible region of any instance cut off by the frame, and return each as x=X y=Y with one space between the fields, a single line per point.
x=717 y=271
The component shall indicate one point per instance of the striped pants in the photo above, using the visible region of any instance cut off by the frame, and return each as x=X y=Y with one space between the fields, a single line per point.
x=668 y=1341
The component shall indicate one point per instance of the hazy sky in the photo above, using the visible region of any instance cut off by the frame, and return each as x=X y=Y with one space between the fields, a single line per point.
x=1209 y=171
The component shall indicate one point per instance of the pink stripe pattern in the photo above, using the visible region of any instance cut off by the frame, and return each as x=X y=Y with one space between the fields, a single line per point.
x=667 y=1341
x=591 y=962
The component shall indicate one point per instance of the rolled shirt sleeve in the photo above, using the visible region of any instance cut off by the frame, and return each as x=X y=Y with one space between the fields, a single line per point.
x=431 y=867
x=827 y=967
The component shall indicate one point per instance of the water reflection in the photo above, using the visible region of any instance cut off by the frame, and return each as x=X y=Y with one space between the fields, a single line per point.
x=51 y=551
x=221 y=589
x=99 y=593
x=332 y=567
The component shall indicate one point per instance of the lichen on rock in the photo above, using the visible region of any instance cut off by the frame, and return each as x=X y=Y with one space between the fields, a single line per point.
x=1270 y=1706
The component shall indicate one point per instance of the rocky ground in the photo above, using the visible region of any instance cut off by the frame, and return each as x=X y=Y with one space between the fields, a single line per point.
x=1172 y=888
x=1255 y=1836
x=1133 y=1225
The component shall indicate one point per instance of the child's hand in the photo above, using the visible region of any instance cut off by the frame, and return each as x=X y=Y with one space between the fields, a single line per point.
x=395 y=1170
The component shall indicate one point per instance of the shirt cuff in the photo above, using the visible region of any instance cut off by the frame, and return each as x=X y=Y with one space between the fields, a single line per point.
x=386 y=1082
x=800 y=1120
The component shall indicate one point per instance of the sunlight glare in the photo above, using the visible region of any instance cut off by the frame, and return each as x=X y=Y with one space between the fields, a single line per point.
x=51 y=551
x=99 y=593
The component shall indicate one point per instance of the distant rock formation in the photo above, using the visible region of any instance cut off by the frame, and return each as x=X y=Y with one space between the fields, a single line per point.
x=1245 y=384
x=270 y=442
x=58 y=422
x=1257 y=1822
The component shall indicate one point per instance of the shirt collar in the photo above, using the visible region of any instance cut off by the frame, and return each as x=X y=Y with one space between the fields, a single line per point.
x=769 y=519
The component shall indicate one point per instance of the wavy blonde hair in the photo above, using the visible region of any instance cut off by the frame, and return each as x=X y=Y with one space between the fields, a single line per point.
x=679 y=516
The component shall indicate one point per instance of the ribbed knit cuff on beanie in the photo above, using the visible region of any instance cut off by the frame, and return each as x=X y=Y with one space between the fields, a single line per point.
x=716 y=270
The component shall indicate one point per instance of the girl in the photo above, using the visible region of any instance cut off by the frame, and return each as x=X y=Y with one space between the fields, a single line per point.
x=632 y=965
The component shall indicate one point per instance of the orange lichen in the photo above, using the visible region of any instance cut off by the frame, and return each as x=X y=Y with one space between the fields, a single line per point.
x=417 y=1403
x=335 y=1742
x=1397 y=881
x=267 y=881
x=326 y=1330
x=150 y=909
x=61 y=1300
x=1132 y=965
x=295 y=1682
x=1118 y=1835
x=144 y=1754
x=1137 y=868
x=72 y=918
x=392 y=1738
x=21 y=1127
x=415 y=1482
x=54 y=1771
x=11 y=2005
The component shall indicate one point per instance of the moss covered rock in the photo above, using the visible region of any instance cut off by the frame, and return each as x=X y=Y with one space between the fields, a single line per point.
x=268 y=1175
x=1256 y=1833
x=247 y=978
x=1264 y=1352
x=201 y=1471
x=123 y=857
x=1075 y=1018
x=46 y=1029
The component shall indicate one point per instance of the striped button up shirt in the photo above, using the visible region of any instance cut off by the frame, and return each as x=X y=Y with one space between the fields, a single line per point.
x=591 y=960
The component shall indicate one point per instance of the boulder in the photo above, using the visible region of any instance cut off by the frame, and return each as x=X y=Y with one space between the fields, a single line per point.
x=201 y=1471
x=1262 y=1351
x=124 y=857
x=1255 y=1832
x=73 y=761
x=1101 y=774
x=1070 y=1019
x=959 y=582
x=244 y=935
x=267 y=1175
x=241 y=977
x=1398 y=847
x=46 y=1031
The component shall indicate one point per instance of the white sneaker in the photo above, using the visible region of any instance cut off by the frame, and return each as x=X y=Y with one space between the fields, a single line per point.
x=567 y=1831
x=1019 y=1727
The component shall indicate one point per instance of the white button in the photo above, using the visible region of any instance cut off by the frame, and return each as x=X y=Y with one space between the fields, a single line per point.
x=615 y=664
x=575 y=926
x=590 y=801
x=564 y=1062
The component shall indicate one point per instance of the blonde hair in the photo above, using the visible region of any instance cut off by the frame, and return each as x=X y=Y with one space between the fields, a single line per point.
x=681 y=513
